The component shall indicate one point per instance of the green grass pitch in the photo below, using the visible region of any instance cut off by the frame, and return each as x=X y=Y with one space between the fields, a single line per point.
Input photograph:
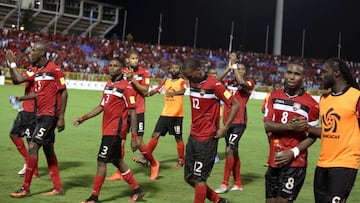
x=77 y=148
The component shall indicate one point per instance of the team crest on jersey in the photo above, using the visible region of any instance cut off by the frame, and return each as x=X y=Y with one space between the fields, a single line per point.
x=227 y=94
x=132 y=99
x=29 y=72
x=62 y=81
x=296 y=106
x=202 y=92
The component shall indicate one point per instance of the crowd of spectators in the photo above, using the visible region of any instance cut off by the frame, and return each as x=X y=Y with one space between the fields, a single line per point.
x=90 y=55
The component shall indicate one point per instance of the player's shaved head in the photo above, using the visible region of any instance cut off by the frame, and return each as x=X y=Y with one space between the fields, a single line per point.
x=41 y=46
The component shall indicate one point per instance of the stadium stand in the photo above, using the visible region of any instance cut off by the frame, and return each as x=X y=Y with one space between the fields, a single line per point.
x=74 y=17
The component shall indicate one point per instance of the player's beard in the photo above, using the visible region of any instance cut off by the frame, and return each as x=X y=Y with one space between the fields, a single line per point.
x=175 y=76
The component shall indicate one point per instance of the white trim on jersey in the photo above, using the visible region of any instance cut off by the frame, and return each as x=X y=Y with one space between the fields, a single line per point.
x=232 y=88
x=40 y=78
x=283 y=107
x=314 y=123
x=203 y=96
x=117 y=94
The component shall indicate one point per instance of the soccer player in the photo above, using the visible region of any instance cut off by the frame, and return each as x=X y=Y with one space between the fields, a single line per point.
x=139 y=77
x=117 y=102
x=241 y=89
x=24 y=123
x=171 y=117
x=288 y=114
x=205 y=95
x=51 y=100
x=339 y=158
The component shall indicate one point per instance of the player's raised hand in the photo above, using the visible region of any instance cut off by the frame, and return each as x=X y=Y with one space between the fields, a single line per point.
x=10 y=57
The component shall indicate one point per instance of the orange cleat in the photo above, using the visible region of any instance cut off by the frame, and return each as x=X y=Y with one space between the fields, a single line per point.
x=155 y=171
x=54 y=192
x=116 y=176
x=20 y=193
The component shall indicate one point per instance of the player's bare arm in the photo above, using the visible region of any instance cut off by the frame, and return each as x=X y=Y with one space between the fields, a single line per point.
x=61 y=122
x=96 y=111
x=27 y=97
x=133 y=122
x=16 y=76
x=288 y=155
x=234 y=109
x=297 y=124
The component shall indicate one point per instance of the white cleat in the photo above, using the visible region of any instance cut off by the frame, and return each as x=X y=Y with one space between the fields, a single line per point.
x=22 y=171
x=236 y=188
x=222 y=189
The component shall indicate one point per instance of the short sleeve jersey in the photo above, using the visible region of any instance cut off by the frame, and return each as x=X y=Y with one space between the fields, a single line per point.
x=49 y=80
x=280 y=109
x=173 y=106
x=205 y=107
x=241 y=96
x=29 y=105
x=142 y=76
x=340 y=135
x=117 y=98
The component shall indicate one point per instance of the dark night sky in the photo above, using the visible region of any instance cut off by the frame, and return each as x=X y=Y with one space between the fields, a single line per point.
x=322 y=20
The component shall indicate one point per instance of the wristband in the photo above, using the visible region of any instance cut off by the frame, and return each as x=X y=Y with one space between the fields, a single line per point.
x=13 y=65
x=133 y=136
x=84 y=117
x=296 y=151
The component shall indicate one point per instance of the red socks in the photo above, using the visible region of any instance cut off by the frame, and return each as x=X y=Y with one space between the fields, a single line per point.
x=54 y=172
x=148 y=155
x=129 y=178
x=200 y=193
x=30 y=166
x=98 y=182
x=180 y=151
x=19 y=143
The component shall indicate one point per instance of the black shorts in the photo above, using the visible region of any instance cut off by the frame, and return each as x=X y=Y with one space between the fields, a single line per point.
x=140 y=124
x=333 y=184
x=44 y=132
x=285 y=182
x=173 y=125
x=24 y=124
x=199 y=158
x=110 y=149
x=233 y=136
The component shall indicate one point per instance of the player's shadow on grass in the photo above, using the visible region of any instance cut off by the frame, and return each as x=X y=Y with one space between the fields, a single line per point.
x=247 y=178
x=63 y=165
x=149 y=188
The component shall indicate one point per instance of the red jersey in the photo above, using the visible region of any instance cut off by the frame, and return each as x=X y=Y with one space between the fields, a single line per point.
x=49 y=80
x=280 y=109
x=29 y=105
x=142 y=76
x=117 y=98
x=205 y=107
x=242 y=97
